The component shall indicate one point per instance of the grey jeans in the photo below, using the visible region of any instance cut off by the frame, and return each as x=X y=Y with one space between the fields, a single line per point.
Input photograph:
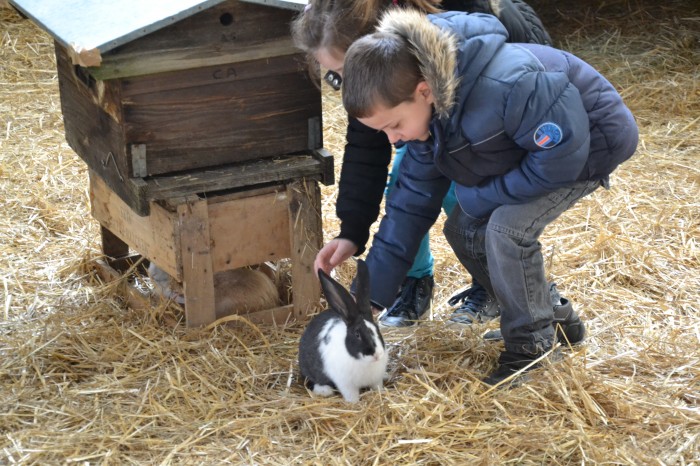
x=503 y=253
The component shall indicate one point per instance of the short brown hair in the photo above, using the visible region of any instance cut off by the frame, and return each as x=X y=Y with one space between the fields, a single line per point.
x=380 y=69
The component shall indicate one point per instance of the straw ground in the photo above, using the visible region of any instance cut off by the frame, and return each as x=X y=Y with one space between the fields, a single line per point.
x=84 y=379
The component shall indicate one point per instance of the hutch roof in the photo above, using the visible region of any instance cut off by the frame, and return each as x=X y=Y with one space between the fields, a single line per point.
x=90 y=28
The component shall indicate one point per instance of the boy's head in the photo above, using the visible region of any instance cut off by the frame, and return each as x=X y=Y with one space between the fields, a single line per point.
x=384 y=88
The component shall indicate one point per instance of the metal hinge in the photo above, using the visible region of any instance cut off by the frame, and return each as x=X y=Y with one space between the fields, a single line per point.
x=315 y=139
x=138 y=160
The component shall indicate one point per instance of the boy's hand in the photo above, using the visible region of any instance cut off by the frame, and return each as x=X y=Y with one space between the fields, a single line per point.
x=333 y=254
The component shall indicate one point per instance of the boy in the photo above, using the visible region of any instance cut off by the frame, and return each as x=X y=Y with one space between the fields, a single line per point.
x=524 y=131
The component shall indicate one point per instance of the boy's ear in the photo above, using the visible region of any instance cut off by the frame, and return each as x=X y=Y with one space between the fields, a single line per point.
x=424 y=92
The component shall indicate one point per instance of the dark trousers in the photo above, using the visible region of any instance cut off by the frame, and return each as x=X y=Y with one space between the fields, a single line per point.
x=503 y=253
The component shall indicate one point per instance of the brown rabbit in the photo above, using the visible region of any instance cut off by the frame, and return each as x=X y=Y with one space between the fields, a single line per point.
x=236 y=291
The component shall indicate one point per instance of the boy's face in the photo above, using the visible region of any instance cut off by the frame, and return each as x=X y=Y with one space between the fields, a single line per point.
x=408 y=121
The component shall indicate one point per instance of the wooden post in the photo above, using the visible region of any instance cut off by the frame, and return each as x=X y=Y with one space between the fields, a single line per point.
x=306 y=237
x=112 y=246
x=197 y=272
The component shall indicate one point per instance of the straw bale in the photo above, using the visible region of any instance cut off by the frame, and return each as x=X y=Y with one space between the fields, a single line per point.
x=84 y=379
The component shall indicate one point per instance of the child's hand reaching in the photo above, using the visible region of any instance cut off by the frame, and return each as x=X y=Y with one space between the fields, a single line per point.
x=333 y=254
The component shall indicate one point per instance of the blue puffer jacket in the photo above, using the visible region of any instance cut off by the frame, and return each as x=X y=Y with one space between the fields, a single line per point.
x=512 y=122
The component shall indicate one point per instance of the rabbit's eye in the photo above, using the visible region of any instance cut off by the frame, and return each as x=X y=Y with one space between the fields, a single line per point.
x=357 y=334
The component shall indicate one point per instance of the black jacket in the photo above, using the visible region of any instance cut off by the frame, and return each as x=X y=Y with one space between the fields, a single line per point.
x=364 y=170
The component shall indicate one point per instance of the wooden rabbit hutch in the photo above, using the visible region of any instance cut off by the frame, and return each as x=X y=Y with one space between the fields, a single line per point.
x=201 y=129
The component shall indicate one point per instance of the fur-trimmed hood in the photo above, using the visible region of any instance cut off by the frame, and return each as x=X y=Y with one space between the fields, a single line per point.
x=452 y=49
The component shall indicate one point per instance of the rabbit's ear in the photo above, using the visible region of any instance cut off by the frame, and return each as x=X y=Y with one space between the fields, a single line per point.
x=362 y=294
x=339 y=299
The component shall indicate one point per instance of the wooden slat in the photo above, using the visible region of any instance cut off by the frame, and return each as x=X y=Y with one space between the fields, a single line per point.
x=133 y=89
x=197 y=271
x=306 y=235
x=143 y=63
x=234 y=176
x=153 y=236
x=249 y=231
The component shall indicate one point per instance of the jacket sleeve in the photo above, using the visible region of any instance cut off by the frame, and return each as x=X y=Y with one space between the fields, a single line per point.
x=539 y=102
x=411 y=209
x=363 y=178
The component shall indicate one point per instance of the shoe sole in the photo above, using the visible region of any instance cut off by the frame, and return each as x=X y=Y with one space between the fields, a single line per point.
x=410 y=323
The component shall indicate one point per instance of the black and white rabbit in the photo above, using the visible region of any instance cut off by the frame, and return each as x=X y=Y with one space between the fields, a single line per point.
x=342 y=347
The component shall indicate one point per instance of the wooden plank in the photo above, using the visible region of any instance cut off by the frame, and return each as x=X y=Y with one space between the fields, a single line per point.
x=249 y=231
x=134 y=88
x=234 y=176
x=217 y=122
x=305 y=230
x=153 y=236
x=197 y=272
x=244 y=193
x=141 y=63
x=231 y=28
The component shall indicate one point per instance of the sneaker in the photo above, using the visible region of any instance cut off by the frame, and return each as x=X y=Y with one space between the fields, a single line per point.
x=509 y=364
x=477 y=306
x=570 y=330
x=568 y=325
x=412 y=302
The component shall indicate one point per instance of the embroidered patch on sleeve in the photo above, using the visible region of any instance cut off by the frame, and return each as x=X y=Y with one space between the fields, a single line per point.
x=548 y=135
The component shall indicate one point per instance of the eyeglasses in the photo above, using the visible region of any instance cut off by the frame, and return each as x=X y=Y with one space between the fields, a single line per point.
x=333 y=79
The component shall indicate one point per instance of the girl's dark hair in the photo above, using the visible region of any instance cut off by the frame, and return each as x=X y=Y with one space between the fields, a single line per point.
x=380 y=69
x=336 y=24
